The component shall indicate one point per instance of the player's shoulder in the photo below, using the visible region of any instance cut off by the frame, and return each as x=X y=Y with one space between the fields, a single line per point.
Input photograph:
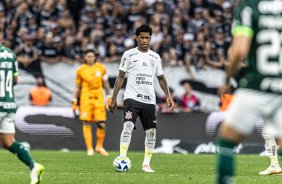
x=99 y=65
x=131 y=52
x=249 y=3
x=81 y=67
x=5 y=50
x=154 y=54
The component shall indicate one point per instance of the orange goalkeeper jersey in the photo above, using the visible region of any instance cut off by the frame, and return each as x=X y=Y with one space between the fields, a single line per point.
x=91 y=80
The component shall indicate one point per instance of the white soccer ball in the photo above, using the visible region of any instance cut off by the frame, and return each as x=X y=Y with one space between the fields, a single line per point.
x=122 y=164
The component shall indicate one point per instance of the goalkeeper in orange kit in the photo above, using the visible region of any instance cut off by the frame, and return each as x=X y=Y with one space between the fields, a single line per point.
x=91 y=77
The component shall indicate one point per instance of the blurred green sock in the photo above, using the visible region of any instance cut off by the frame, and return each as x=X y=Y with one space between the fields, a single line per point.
x=22 y=153
x=225 y=161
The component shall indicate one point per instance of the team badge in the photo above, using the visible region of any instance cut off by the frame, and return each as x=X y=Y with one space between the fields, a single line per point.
x=84 y=114
x=153 y=63
x=98 y=73
x=128 y=115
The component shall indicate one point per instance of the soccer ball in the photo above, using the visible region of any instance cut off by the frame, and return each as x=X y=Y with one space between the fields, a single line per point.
x=122 y=164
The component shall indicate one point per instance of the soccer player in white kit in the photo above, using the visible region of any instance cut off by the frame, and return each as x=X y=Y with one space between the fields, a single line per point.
x=141 y=65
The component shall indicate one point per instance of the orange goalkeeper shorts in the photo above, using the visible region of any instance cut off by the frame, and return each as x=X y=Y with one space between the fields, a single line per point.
x=92 y=109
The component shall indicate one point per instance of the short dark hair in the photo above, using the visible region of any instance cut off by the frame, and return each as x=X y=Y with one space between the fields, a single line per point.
x=90 y=50
x=143 y=28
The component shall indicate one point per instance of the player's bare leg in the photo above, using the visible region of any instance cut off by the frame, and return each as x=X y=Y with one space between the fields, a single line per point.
x=101 y=126
x=36 y=170
x=125 y=137
x=271 y=148
x=228 y=139
x=150 y=141
x=87 y=134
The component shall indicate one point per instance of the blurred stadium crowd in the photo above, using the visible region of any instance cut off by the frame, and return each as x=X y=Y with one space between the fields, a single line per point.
x=185 y=32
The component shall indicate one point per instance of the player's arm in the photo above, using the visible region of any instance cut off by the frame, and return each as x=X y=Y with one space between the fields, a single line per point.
x=118 y=84
x=75 y=95
x=164 y=86
x=15 y=80
x=242 y=32
x=107 y=88
x=239 y=49
x=76 y=91
x=15 y=70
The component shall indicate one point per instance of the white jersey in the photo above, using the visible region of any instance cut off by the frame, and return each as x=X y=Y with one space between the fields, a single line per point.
x=141 y=69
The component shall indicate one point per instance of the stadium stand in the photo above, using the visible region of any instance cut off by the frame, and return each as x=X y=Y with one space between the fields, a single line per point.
x=185 y=31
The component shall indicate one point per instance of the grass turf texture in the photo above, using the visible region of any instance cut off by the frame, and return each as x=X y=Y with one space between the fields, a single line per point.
x=75 y=167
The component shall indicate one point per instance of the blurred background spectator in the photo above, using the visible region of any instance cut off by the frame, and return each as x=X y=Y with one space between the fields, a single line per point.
x=40 y=95
x=191 y=33
x=190 y=101
x=163 y=106
x=112 y=21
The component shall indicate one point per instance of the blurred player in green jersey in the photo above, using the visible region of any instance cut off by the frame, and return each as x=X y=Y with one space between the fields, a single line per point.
x=256 y=36
x=8 y=78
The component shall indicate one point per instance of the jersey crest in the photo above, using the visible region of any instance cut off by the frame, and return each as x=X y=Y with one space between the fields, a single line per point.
x=128 y=115
x=153 y=62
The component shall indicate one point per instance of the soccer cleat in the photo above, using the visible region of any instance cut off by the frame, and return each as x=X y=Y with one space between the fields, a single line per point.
x=90 y=152
x=102 y=151
x=36 y=173
x=271 y=170
x=147 y=168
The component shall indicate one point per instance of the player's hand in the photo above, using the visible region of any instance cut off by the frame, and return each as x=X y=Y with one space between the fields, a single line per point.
x=170 y=103
x=113 y=105
x=75 y=108
x=108 y=102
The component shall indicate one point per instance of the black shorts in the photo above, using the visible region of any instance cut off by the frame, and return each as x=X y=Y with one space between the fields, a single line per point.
x=146 y=113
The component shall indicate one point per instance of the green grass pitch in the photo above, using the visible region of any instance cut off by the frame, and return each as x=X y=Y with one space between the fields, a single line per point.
x=75 y=167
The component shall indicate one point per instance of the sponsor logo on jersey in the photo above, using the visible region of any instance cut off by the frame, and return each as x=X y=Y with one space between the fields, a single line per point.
x=128 y=115
x=144 y=64
x=153 y=56
x=8 y=105
x=123 y=62
x=153 y=62
x=133 y=54
x=146 y=97
x=142 y=80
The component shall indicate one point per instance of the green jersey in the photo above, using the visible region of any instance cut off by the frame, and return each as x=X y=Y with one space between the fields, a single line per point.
x=8 y=69
x=261 y=21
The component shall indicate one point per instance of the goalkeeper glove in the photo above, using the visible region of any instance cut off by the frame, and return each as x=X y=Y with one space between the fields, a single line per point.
x=75 y=107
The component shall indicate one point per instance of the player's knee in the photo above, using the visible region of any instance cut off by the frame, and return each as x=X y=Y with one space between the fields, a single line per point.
x=151 y=132
x=128 y=126
x=87 y=123
x=6 y=144
x=101 y=125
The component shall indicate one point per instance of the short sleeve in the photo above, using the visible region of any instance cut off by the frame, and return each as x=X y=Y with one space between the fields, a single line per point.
x=104 y=73
x=124 y=62
x=159 y=69
x=243 y=21
x=78 y=77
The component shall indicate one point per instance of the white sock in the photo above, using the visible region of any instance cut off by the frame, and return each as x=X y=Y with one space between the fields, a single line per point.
x=125 y=137
x=146 y=161
x=271 y=148
x=150 y=141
